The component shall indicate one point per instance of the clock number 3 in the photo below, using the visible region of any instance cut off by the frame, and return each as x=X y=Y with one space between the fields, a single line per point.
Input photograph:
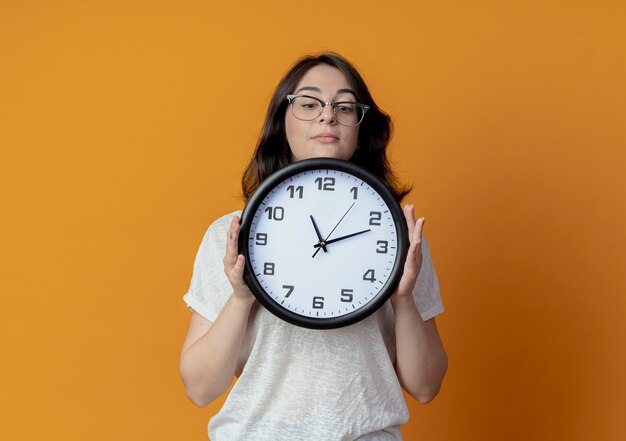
x=382 y=246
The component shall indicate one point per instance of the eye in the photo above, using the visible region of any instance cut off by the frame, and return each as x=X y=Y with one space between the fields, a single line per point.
x=346 y=108
x=307 y=103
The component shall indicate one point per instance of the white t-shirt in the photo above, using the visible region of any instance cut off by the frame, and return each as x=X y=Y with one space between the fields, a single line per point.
x=303 y=384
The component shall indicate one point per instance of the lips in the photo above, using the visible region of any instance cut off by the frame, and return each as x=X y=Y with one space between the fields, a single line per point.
x=326 y=138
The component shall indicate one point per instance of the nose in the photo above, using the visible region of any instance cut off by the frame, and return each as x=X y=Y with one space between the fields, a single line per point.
x=327 y=115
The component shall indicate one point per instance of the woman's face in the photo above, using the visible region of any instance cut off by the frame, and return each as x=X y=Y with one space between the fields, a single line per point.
x=323 y=136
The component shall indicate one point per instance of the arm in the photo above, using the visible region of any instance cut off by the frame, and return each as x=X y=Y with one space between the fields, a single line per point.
x=210 y=352
x=421 y=360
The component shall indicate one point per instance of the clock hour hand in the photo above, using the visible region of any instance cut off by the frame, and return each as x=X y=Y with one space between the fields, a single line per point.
x=337 y=239
x=319 y=236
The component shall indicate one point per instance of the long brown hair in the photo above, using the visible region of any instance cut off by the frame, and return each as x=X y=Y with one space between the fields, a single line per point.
x=273 y=153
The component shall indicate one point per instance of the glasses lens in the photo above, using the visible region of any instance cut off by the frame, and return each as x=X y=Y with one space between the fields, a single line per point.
x=306 y=108
x=348 y=114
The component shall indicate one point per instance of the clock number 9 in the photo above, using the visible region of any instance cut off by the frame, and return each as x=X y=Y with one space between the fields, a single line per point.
x=261 y=239
x=276 y=213
x=318 y=302
x=329 y=184
x=375 y=217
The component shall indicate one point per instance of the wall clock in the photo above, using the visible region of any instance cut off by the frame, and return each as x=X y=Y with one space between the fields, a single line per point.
x=324 y=242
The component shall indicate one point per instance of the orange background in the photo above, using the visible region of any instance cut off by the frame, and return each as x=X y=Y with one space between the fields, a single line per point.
x=124 y=129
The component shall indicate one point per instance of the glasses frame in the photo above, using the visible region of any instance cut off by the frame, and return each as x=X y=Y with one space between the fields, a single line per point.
x=364 y=108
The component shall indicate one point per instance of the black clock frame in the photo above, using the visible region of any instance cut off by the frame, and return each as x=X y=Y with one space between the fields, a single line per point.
x=396 y=213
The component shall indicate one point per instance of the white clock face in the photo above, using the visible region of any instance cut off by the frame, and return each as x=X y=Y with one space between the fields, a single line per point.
x=325 y=207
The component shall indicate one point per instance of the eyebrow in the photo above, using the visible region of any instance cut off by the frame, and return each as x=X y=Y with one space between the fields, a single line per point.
x=318 y=90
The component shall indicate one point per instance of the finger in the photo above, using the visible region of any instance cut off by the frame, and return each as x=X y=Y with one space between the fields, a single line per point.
x=416 y=238
x=410 y=218
x=417 y=233
x=413 y=261
x=231 y=242
x=237 y=272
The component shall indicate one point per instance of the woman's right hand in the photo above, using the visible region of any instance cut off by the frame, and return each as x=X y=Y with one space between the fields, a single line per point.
x=211 y=350
x=234 y=263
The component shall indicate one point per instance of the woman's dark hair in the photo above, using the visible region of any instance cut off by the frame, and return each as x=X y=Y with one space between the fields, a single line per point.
x=273 y=153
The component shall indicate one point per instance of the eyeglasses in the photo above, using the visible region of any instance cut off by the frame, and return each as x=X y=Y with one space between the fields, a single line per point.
x=308 y=108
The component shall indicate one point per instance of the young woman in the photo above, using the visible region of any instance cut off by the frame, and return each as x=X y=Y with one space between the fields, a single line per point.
x=301 y=384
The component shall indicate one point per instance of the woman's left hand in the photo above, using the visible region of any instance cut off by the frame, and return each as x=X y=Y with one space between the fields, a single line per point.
x=413 y=261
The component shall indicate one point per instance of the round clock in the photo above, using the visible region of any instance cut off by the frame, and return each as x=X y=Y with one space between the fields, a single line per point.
x=324 y=242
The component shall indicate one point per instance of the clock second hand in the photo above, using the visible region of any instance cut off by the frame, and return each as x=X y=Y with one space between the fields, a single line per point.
x=335 y=227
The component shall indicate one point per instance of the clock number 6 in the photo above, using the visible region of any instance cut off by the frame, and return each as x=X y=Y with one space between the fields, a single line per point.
x=318 y=302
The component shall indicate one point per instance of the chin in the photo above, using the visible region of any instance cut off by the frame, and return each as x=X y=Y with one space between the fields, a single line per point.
x=328 y=152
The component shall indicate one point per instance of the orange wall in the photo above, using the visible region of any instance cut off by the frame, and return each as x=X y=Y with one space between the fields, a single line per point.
x=125 y=126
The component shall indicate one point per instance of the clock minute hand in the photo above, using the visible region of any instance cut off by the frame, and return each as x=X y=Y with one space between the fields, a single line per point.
x=335 y=227
x=337 y=239
x=319 y=235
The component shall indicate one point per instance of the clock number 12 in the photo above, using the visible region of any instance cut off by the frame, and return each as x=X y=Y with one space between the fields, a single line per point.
x=328 y=184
